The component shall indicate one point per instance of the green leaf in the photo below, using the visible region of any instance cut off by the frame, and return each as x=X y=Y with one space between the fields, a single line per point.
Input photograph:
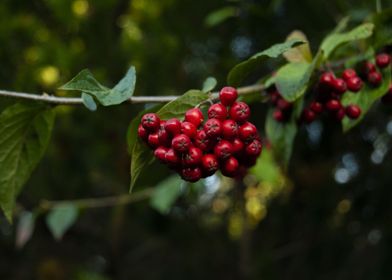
x=209 y=84
x=219 y=16
x=85 y=82
x=301 y=53
x=281 y=137
x=266 y=169
x=24 y=228
x=243 y=69
x=365 y=99
x=290 y=80
x=25 y=131
x=166 y=193
x=141 y=155
x=382 y=31
x=178 y=107
x=89 y=102
x=61 y=218
x=336 y=39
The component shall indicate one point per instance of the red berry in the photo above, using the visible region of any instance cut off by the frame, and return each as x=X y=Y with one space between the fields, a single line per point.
x=160 y=153
x=339 y=86
x=172 y=158
x=228 y=95
x=333 y=105
x=253 y=148
x=230 y=167
x=217 y=111
x=153 y=140
x=339 y=114
x=191 y=174
x=316 y=107
x=238 y=146
x=284 y=105
x=353 y=111
x=192 y=157
x=209 y=164
x=247 y=132
x=354 y=84
x=142 y=132
x=308 y=115
x=383 y=60
x=368 y=67
x=239 y=112
x=194 y=116
x=173 y=126
x=213 y=128
x=374 y=78
x=275 y=97
x=348 y=74
x=181 y=143
x=164 y=137
x=188 y=129
x=278 y=116
x=326 y=79
x=202 y=141
x=229 y=129
x=223 y=149
x=150 y=122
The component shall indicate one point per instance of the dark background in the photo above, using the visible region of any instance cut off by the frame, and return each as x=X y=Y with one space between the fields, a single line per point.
x=331 y=220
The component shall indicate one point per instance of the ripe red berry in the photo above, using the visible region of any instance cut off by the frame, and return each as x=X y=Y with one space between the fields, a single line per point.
x=223 y=149
x=209 y=164
x=153 y=140
x=181 y=143
x=150 y=122
x=160 y=153
x=368 y=67
x=217 y=111
x=239 y=112
x=229 y=129
x=164 y=137
x=374 y=78
x=238 y=146
x=326 y=79
x=333 y=105
x=247 y=132
x=173 y=126
x=253 y=148
x=354 y=84
x=142 y=132
x=230 y=167
x=383 y=60
x=192 y=157
x=353 y=111
x=172 y=158
x=194 y=116
x=189 y=129
x=339 y=114
x=339 y=86
x=191 y=174
x=228 y=95
x=348 y=74
x=213 y=128
x=202 y=141
x=308 y=115
x=284 y=105
x=278 y=115
x=275 y=97
x=316 y=107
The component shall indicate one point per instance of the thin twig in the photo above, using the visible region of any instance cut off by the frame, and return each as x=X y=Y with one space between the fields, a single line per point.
x=109 y=201
x=134 y=99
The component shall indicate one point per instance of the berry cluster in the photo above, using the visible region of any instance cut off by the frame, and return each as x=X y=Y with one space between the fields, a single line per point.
x=197 y=149
x=330 y=89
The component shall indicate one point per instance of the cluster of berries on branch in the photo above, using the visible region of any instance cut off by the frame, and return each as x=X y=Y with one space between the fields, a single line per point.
x=327 y=93
x=195 y=149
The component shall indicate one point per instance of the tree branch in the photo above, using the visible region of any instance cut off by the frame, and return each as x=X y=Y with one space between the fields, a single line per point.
x=134 y=99
x=109 y=201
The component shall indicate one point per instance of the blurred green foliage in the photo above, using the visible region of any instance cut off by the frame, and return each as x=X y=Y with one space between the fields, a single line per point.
x=331 y=219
